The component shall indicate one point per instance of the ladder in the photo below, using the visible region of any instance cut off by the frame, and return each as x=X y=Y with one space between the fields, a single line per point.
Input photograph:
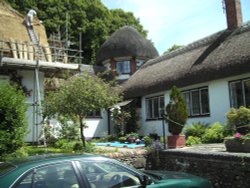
x=35 y=41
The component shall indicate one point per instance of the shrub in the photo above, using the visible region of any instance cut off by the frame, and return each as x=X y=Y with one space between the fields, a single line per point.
x=239 y=119
x=177 y=113
x=192 y=140
x=147 y=140
x=122 y=139
x=196 y=130
x=13 y=122
x=214 y=134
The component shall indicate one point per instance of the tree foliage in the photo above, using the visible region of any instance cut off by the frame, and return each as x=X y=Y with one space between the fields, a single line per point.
x=90 y=17
x=79 y=96
x=13 y=122
x=177 y=113
x=173 y=48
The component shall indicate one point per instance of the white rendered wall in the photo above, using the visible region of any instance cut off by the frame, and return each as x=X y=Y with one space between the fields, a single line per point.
x=97 y=127
x=28 y=80
x=219 y=103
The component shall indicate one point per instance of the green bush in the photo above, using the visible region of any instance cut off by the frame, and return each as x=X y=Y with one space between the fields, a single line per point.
x=13 y=122
x=239 y=120
x=147 y=140
x=177 y=113
x=192 y=140
x=214 y=134
x=196 y=130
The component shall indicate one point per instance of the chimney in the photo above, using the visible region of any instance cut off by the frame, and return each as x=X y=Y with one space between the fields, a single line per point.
x=233 y=13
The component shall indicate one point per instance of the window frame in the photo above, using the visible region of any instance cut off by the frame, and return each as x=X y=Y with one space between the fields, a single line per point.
x=201 y=105
x=123 y=64
x=94 y=114
x=152 y=110
x=243 y=94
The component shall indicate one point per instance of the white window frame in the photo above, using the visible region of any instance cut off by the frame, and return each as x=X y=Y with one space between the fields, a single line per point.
x=152 y=115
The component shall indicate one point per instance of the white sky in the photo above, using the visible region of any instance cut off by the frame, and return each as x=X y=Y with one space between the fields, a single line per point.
x=180 y=22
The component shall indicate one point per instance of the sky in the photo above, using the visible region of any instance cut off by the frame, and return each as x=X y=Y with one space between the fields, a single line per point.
x=179 y=22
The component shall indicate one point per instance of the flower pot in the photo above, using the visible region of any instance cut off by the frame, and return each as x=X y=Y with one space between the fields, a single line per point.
x=234 y=145
x=176 y=141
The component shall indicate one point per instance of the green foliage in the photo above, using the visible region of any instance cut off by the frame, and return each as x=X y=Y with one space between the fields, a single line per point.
x=239 y=120
x=79 y=96
x=147 y=140
x=173 y=48
x=122 y=139
x=214 y=134
x=18 y=154
x=196 y=130
x=132 y=123
x=69 y=129
x=192 y=140
x=13 y=122
x=74 y=146
x=120 y=118
x=90 y=17
x=177 y=113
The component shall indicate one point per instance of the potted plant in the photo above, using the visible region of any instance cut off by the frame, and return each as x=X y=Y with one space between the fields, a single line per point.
x=131 y=137
x=239 y=121
x=176 y=118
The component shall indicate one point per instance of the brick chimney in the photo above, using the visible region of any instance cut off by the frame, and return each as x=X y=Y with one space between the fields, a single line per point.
x=233 y=13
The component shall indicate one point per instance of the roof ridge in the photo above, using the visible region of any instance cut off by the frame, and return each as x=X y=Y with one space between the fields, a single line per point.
x=204 y=41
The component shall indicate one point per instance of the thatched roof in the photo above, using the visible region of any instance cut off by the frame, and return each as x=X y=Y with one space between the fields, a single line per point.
x=220 y=55
x=127 y=41
x=13 y=26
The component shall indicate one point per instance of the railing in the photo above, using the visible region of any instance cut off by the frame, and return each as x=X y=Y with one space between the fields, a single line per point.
x=32 y=51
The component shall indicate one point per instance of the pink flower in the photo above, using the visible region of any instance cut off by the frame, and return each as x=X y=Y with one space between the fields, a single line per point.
x=237 y=135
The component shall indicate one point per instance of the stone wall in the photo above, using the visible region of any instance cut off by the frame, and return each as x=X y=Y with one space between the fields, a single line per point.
x=135 y=158
x=222 y=169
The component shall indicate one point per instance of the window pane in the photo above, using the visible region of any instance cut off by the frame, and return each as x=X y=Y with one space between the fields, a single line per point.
x=195 y=102
x=149 y=108
x=156 y=107
x=55 y=176
x=106 y=174
x=236 y=94
x=247 y=92
x=186 y=98
x=204 y=101
x=126 y=67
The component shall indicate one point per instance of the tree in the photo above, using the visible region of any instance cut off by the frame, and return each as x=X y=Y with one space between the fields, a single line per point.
x=79 y=96
x=173 y=48
x=90 y=17
x=13 y=122
x=177 y=113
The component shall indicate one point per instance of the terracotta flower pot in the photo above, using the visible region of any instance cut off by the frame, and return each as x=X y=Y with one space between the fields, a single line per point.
x=176 y=141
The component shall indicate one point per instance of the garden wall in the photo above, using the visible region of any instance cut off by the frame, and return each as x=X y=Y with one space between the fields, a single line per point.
x=222 y=169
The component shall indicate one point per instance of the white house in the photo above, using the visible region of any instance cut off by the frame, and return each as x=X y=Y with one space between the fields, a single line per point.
x=212 y=73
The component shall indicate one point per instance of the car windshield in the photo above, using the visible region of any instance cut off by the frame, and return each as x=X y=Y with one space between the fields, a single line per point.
x=5 y=168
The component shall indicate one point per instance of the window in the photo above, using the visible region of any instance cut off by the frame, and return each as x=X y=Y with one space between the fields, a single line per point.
x=123 y=67
x=55 y=176
x=240 y=93
x=106 y=174
x=154 y=106
x=197 y=101
x=139 y=63
x=94 y=114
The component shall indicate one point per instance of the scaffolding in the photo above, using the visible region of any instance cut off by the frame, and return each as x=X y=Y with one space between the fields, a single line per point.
x=34 y=51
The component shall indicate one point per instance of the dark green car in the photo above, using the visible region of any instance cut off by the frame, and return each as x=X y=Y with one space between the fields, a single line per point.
x=88 y=171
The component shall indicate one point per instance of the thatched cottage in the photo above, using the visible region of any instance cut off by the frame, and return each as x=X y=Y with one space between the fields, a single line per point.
x=212 y=73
